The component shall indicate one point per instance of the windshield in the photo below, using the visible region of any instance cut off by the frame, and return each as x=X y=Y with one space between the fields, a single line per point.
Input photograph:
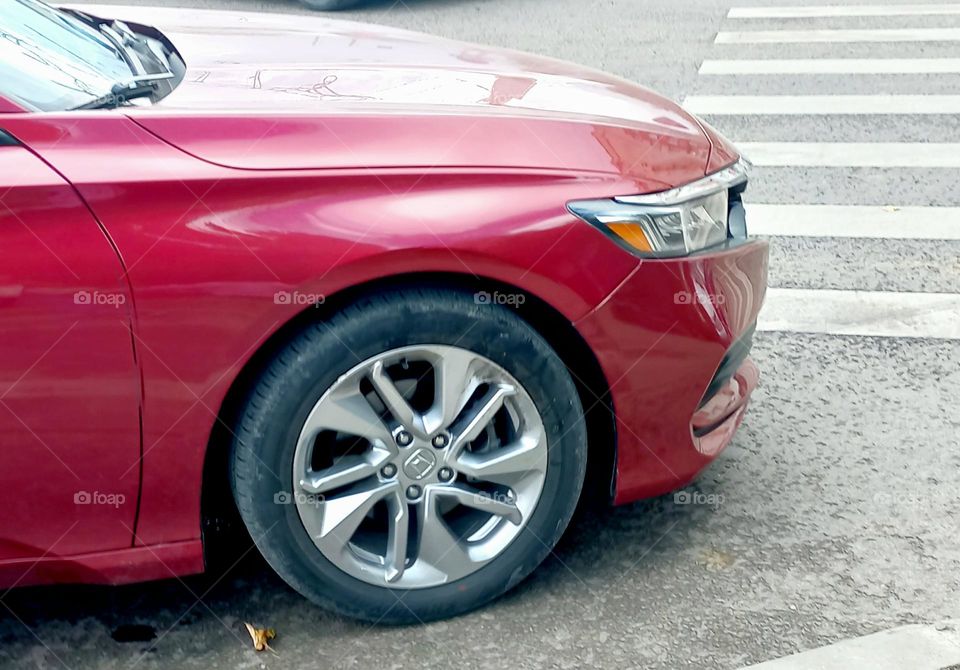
x=50 y=61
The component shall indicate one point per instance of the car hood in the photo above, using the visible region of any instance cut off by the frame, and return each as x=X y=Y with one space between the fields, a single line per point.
x=259 y=63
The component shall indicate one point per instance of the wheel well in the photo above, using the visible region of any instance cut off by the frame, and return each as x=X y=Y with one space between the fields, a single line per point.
x=220 y=523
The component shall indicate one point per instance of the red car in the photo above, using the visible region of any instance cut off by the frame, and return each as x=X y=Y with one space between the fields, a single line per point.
x=393 y=298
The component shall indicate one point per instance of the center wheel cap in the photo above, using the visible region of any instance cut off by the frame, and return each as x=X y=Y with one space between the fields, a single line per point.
x=419 y=464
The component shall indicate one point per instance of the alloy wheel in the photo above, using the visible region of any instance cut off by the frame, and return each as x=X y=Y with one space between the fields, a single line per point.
x=419 y=466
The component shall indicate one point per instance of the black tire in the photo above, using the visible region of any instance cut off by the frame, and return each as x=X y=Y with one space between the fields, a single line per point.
x=276 y=408
x=330 y=5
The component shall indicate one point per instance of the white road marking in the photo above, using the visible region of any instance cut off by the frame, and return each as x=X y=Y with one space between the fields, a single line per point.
x=834 y=66
x=853 y=154
x=818 y=11
x=866 y=313
x=847 y=312
x=913 y=223
x=852 y=35
x=823 y=104
x=913 y=647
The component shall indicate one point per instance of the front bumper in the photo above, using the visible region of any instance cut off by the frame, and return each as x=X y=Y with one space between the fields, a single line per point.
x=662 y=339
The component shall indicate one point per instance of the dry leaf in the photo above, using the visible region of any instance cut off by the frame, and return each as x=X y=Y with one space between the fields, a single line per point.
x=713 y=559
x=260 y=636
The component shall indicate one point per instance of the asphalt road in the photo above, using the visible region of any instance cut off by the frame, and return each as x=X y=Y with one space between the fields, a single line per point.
x=835 y=510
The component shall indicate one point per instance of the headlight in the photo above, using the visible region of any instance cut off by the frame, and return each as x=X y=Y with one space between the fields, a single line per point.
x=670 y=223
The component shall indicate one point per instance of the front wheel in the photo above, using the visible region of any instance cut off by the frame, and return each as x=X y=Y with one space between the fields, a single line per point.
x=412 y=457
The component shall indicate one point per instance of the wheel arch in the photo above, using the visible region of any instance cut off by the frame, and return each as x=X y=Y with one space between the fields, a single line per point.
x=221 y=526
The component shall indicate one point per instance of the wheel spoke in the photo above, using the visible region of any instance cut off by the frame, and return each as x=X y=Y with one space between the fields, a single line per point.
x=482 y=501
x=347 y=411
x=507 y=464
x=343 y=514
x=439 y=548
x=454 y=383
x=349 y=470
x=397 y=535
x=482 y=416
x=394 y=400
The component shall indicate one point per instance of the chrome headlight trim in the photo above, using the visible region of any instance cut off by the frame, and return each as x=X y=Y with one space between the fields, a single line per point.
x=722 y=180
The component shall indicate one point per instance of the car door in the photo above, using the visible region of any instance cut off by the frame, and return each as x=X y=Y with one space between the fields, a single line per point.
x=69 y=383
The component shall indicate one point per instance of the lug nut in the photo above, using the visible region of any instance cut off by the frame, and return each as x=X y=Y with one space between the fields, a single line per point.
x=389 y=470
x=445 y=474
x=440 y=441
x=404 y=438
x=413 y=492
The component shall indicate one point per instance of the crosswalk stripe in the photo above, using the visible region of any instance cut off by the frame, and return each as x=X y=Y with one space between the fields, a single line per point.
x=865 y=313
x=852 y=154
x=851 y=35
x=914 y=646
x=915 y=223
x=819 y=11
x=834 y=66
x=823 y=104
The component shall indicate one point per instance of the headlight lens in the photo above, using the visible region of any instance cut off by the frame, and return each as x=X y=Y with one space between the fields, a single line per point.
x=670 y=223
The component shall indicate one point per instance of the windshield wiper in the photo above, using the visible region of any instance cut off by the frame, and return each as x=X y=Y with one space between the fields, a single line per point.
x=140 y=86
x=119 y=42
